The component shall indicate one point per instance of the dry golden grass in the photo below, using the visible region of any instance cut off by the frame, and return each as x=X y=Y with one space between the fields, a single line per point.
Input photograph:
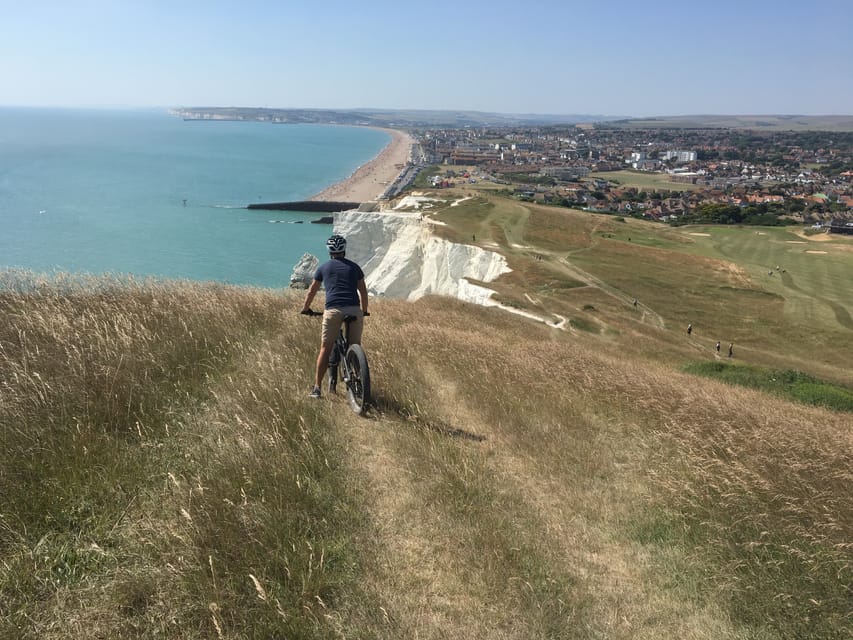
x=164 y=474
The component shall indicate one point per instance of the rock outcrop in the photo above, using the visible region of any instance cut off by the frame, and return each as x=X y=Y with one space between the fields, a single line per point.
x=303 y=272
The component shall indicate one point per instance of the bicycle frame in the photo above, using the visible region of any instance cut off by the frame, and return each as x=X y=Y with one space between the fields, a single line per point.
x=338 y=355
x=350 y=362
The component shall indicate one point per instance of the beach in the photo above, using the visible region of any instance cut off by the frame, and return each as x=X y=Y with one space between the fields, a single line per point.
x=370 y=180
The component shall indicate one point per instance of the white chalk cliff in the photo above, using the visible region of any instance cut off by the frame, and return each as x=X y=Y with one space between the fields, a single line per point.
x=401 y=258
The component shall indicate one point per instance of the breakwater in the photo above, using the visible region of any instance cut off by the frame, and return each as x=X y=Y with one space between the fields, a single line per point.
x=311 y=206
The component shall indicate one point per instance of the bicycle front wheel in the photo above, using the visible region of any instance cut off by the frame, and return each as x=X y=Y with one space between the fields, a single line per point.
x=358 y=383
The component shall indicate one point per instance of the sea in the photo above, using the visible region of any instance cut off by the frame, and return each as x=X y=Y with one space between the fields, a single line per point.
x=145 y=193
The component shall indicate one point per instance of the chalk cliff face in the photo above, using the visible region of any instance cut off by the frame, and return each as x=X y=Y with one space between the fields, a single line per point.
x=402 y=259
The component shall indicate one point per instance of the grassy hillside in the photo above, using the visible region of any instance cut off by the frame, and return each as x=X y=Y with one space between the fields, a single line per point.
x=164 y=473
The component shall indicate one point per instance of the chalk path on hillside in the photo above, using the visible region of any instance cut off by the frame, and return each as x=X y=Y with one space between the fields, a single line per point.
x=562 y=262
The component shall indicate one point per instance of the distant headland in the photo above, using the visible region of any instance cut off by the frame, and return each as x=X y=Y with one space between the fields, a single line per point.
x=426 y=119
x=384 y=118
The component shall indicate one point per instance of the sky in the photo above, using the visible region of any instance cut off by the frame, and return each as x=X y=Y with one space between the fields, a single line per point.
x=636 y=58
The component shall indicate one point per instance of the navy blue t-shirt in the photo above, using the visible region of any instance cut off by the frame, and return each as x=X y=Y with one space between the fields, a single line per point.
x=340 y=279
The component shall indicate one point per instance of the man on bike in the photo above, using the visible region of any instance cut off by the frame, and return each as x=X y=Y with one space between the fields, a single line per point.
x=344 y=283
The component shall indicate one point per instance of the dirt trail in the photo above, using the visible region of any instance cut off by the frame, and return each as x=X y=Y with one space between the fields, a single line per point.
x=561 y=262
x=415 y=572
x=427 y=588
x=654 y=318
x=649 y=315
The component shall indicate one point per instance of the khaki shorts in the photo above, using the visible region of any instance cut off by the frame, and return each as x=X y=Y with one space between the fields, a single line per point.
x=334 y=318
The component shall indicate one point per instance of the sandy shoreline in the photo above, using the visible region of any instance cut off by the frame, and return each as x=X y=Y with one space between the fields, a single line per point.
x=371 y=179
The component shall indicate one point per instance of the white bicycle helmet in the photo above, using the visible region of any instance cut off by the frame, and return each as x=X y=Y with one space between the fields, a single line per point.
x=336 y=244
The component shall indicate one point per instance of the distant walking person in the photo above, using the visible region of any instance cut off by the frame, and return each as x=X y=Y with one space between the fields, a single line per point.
x=717 y=347
x=731 y=349
x=689 y=329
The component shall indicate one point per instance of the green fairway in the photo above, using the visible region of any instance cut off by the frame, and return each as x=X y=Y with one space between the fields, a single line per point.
x=813 y=276
x=644 y=181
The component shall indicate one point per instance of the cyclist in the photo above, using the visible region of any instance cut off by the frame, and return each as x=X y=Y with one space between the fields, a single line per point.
x=343 y=281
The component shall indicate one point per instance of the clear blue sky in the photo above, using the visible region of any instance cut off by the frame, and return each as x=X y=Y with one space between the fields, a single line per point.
x=606 y=57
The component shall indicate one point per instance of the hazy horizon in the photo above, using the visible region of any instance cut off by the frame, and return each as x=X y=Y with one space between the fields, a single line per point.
x=130 y=107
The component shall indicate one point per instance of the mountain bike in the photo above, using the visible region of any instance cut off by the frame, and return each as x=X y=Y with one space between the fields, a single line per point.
x=350 y=363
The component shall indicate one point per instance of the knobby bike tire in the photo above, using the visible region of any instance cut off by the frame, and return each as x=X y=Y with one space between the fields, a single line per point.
x=358 y=385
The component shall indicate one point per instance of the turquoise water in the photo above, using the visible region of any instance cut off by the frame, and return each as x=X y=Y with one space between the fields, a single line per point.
x=146 y=193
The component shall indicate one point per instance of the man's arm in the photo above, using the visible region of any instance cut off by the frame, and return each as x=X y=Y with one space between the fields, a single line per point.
x=362 y=293
x=312 y=291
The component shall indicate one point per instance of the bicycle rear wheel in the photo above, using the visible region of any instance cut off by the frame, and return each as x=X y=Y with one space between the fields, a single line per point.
x=358 y=383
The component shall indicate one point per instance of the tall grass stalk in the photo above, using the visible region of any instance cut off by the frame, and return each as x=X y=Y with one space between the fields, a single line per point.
x=161 y=471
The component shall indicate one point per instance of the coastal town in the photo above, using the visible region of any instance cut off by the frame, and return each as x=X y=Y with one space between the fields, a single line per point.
x=670 y=175
x=774 y=170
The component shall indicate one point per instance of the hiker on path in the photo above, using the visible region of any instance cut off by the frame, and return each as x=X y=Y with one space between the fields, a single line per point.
x=717 y=347
x=731 y=349
x=689 y=329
